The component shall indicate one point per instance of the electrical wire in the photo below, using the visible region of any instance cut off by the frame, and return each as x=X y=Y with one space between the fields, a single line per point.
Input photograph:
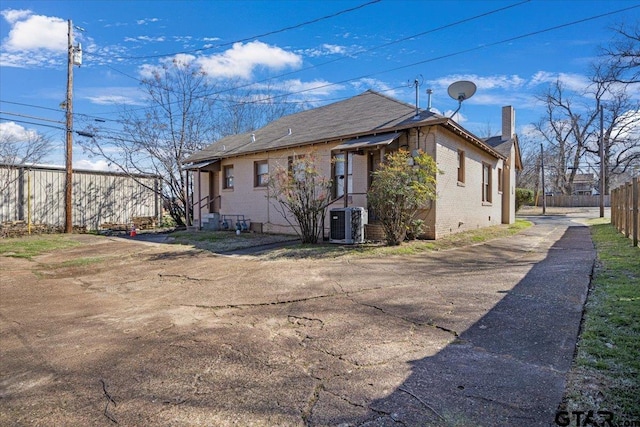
x=281 y=30
x=442 y=27
x=31 y=117
x=449 y=55
x=33 y=123
x=460 y=52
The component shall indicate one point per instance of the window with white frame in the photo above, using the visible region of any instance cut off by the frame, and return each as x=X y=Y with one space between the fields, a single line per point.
x=228 y=177
x=261 y=169
x=342 y=169
x=486 y=182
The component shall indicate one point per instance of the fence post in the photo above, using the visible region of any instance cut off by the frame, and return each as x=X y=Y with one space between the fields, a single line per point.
x=627 y=231
x=613 y=206
x=617 y=223
x=635 y=203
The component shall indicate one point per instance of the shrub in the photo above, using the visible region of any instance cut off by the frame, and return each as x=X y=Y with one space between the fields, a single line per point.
x=402 y=185
x=301 y=190
x=523 y=196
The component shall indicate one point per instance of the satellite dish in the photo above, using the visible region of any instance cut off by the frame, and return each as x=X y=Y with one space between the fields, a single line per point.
x=460 y=91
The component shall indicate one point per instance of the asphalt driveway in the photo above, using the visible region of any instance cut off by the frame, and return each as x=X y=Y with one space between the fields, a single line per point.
x=159 y=334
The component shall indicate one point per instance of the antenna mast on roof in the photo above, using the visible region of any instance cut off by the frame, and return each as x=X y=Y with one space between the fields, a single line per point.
x=416 y=84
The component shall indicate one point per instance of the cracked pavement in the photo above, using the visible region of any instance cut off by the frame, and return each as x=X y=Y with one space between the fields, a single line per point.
x=166 y=335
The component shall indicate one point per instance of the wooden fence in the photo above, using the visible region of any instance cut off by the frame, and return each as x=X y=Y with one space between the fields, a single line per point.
x=575 y=201
x=625 y=204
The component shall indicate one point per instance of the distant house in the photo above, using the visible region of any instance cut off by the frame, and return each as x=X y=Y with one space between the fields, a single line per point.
x=584 y=184
x=351 y=138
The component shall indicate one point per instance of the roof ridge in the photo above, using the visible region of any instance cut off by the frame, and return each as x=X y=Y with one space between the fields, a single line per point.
x=390 y=98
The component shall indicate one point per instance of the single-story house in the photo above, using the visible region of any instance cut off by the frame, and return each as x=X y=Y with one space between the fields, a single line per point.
x=350 y=138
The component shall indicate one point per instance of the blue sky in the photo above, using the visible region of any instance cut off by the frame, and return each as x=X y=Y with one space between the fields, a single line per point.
x=323 y=51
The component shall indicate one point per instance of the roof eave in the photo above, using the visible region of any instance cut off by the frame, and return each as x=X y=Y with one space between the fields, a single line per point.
x=443 y=121
x=456 y=128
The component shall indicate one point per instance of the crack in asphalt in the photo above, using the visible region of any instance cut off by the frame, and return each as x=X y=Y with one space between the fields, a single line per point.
x=311 y=403
x=288 y=301
x=413 y=322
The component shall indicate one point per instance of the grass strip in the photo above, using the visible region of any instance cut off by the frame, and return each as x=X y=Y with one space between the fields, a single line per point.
x=30 y=246
x=606 y=371
x=407 y=248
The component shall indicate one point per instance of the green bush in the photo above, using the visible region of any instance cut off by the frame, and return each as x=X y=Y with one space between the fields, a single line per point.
x=523 y=196
x=401 y=186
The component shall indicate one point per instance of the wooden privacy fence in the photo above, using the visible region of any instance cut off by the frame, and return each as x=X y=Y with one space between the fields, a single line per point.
x=625 y=204
x=576 y=201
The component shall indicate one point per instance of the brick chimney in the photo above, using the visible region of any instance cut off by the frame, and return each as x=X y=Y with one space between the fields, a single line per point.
x=508 y=122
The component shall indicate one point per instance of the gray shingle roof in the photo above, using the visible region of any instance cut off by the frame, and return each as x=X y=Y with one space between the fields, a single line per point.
x=502 y=146
x=364 y=114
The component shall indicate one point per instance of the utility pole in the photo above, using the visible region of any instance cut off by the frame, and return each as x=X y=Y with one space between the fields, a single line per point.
x=544 y=193
x=74 y=57
x=68 y=213
x=602 y=162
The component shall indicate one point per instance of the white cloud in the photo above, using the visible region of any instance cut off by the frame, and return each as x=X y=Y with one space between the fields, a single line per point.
x=113 y=99
x=571 y=81
x=146 y=21
x=145 y=39
x=312 y=88
x=377 y=85
x=33 y=32
x=98 y=165
x=147 y=71
x=326 y=50
x=13 y=15
x=13 y=131
x=114 y=95
x=482 y=82
x=243 y=59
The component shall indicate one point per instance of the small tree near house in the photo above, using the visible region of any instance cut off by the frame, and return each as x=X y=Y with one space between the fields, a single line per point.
x=400 y=187
x=302 y=191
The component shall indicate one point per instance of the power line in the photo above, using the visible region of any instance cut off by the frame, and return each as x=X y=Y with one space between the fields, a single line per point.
x=31 y=117
x=442 y=27
x=281 y=30
x=33 y=123
x=510 y=39
x=449 y=55
x=30 y=105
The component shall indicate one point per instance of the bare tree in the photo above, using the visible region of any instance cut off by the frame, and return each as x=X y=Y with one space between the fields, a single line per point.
x=246 y=109
x=567 y=128
x=623 y=54
x=19 y=146
x=621 y=125
x=618 y=76
x=301 y=190
x=529 y=176
x=157 y=139
x=186 y=110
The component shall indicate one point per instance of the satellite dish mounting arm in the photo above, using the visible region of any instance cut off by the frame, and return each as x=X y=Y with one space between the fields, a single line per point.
x=460 y=91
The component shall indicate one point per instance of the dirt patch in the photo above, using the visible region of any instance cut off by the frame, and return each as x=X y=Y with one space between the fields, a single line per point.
x=158 y=334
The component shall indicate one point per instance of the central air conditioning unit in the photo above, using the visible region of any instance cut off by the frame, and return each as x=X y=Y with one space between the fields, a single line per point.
x=347 y=225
